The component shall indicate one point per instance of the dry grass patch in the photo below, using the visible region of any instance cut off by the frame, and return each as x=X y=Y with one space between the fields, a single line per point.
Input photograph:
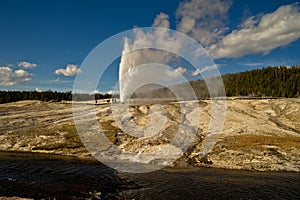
x=253 y=141
x=52 y=137
x=109 y=130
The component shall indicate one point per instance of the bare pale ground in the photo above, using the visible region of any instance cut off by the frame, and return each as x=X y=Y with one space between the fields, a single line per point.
x=257 y=135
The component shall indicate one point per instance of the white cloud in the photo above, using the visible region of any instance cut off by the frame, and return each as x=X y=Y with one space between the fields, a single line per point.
x=96 y=91
x=186 y=24
x=38 y=90
x=9 y=77
x=203 y=20
x=180 y=70
x=196 y=72
x=27 y=65
x=110 y=92
x=253 y=64
x=177 y=72
x=57 y=80
x=161 y=20
x=70 y=70
x=261 y=34
x=204 y=69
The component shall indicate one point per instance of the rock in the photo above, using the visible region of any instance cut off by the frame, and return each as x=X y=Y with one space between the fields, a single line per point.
x=143 y=109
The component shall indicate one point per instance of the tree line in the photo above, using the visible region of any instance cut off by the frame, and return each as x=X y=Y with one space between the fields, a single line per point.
x=266 y=82
x=278 y=81
x=54 y=96
x=272 y=82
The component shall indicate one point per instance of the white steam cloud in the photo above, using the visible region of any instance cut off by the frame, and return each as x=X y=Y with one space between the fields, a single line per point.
x=161 y=20
x=131 y=58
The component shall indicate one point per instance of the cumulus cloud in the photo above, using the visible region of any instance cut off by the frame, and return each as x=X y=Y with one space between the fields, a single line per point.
x=9 y=77
x=70 y=70
x=26 y=65
x=261 y=34
x=204 y=69
x=203 y=20
x=177 y=72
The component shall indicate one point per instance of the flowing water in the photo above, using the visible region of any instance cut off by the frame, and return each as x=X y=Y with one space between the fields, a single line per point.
x=41 y=176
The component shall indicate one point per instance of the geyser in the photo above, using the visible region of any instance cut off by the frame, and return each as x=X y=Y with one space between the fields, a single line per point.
x=130 y=74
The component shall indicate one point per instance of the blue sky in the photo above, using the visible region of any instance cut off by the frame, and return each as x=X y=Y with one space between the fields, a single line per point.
x=43 y=43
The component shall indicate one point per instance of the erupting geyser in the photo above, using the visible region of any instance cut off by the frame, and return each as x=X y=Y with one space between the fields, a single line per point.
x=130 y=74
x=126 y=63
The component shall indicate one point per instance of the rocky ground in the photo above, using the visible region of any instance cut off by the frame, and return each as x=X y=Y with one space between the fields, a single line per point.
x=257 y=134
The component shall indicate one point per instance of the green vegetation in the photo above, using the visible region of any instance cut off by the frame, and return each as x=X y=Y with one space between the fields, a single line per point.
x=266 y=82
x=271 y=81
x=12 y=96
